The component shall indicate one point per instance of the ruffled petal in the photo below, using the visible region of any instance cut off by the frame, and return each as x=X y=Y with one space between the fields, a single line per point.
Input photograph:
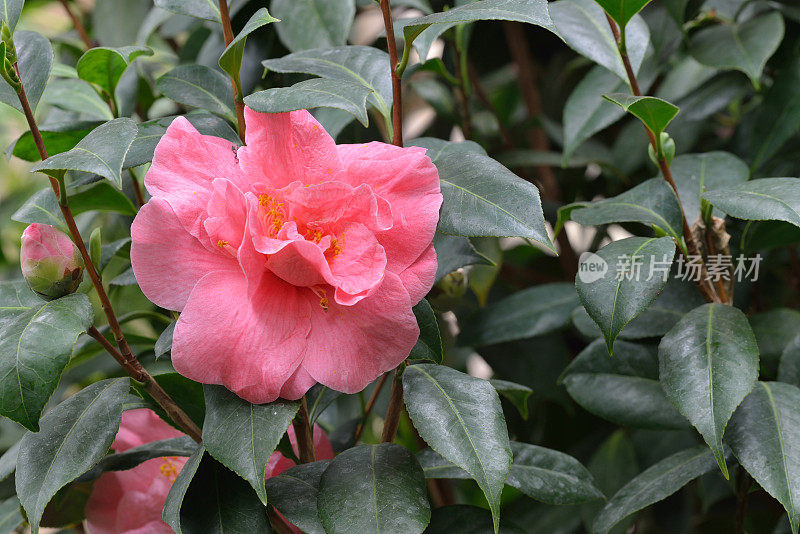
x=350 y=346
x=249 y=341
x=227 y=214
x=166 y=259
x=284 y=147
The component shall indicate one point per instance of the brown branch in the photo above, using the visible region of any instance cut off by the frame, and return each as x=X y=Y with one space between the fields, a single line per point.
x=137 y=188
x=78 y=25
x=392 y=420
x=124 y=356
x=397 y=103
x=227 y=32
x=369 y=406
x=304 y=434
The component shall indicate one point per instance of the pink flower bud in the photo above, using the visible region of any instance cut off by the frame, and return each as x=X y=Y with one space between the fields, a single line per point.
x=51 y=263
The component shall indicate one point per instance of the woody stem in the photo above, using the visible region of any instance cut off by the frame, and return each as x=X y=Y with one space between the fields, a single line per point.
x=238 y=98
x=392 y=420
x=304 y=434
x=397 y=93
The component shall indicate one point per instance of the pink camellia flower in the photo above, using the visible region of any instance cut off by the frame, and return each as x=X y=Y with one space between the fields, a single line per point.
x=292 y=260
x=51 y=263
x=130 y=502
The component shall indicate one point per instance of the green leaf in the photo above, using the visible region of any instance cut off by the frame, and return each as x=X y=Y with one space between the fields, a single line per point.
x=373 y=488
x=460 y=417
x=105 y=66
x=186 y=393
x=164 y=342
x=43 y=208
x=77 y=96
x=623 y=389
x=654 y=112
x=11 y=10
x=294 y=494
x=101 y=152
x=774 y=199
x=454 y=252
x=550 y=476
x=583 y=25
x=58 y=137
x=709 y=363
x=651 y=202
x=745 y=47
x=622 y=293
x=531 y=312
x=622 y=10
x=315 y=93
x=696 y=173
x=34 y=59
x=764 y=436
x=437 y=148
x=10 y=515
x=242 y=435
x=482 y=198
x=100 y=196
x=363 y=65
x=201 y=9
x=654 y=484
x=122 y=461
x=310 y=24
x=37 y=342
x=319 y=397
x=466 y=519
x=774 y=330
x=75 y=435
x=778 y=118
x=200 y=87
x=789 y=368
x=429 y=345
x=231 y=59
x=208 y=498
x=517 y=394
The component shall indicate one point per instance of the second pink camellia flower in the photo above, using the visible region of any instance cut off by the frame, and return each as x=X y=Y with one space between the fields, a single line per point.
x=292 y=260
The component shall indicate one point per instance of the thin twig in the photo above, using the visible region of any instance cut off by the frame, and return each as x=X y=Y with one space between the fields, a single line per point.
x=397 y=105
x=370 y=405
x=392 y=420
x=304 y=434
x=124 y=356
x=137 y=188
x=227 y=32
x=78 y=25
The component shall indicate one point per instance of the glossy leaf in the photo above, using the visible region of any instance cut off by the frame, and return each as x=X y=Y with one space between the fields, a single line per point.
x=315 y=93
x=708 y=364
x=622 y=11
x=454 y=252
x=101 y=152
x=294 y=494
x=709 y=171
x=527 y=313
x=654 y=484
x=654 y=112
x=765 y=438
x=313 y=23
x=517 y=394
x=58 y=138
x=36 y=345
x=759 y=200
x=77 y=96
x=483 y=198
x=779 y=117
x=34 y=59
x=623 y=389
x=75 y=435
x=745 y=47
x=200 y=87
x=373 y=488
x=241 y=435
x=651 y=202
x=429 y=345
x=122 y=461
x=622 y=293
x=460 y=417
x=231 y=59
x=105 y=66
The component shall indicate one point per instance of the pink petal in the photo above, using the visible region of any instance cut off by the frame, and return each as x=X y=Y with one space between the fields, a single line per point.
x=227 y=214
x=336 y=202
x=298 y=384
x=284 y=147
x=361 y=262
x=184 y=165
x=420 y=276
x=166 y=259
x=249 y=341
x=407 y=179
x=350 y=346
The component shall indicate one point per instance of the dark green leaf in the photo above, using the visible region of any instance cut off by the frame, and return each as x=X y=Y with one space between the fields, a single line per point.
x=765 y=438
x=438 y=148
x=294 y=494
x=465 y=519
x=242 y=435
x=774 y=330
x=745 y=47
x=100 y=196
x=760 y=200
x=614 y=297
x=101 y=152
x=164 y=341
x=454 y=252
x=79 y=97
x=315 y=93
x=105 y=66
x=778 y=119
x=34 y=59
x=460 y=417
x=789 y=368
x=58 y=138
x=435 y=466
x=429 y=344
x=231 y=59
x=319 y=397
x=654 y=484
x=528 y=313
x=654 y=112
x=696 y=173
x=517 y=394
x=37 y=342
x=313 y=23
x=374 y=488
x=200 y=87
x=122 y=461
x=75 y=435
x=186 y=393
x=622 y=10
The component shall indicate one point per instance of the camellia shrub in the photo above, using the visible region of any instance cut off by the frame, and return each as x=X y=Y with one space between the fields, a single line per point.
x=405 y=266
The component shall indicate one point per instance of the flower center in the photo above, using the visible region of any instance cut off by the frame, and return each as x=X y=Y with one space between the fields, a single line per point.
x=168 y=469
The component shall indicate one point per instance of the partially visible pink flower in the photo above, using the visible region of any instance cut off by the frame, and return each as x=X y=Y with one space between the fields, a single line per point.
x=51 y=263
x=130 y=502
x=293 y=260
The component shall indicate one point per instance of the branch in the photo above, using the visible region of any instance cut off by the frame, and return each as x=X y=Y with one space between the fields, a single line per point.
x=392 y=420
x=124 y=356
x=78 y=25
x=238 y=97
x=304 y=434
x=369 y=406
x=397 y=94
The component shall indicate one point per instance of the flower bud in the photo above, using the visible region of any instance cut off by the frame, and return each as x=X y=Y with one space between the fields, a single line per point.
x=51 y=263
